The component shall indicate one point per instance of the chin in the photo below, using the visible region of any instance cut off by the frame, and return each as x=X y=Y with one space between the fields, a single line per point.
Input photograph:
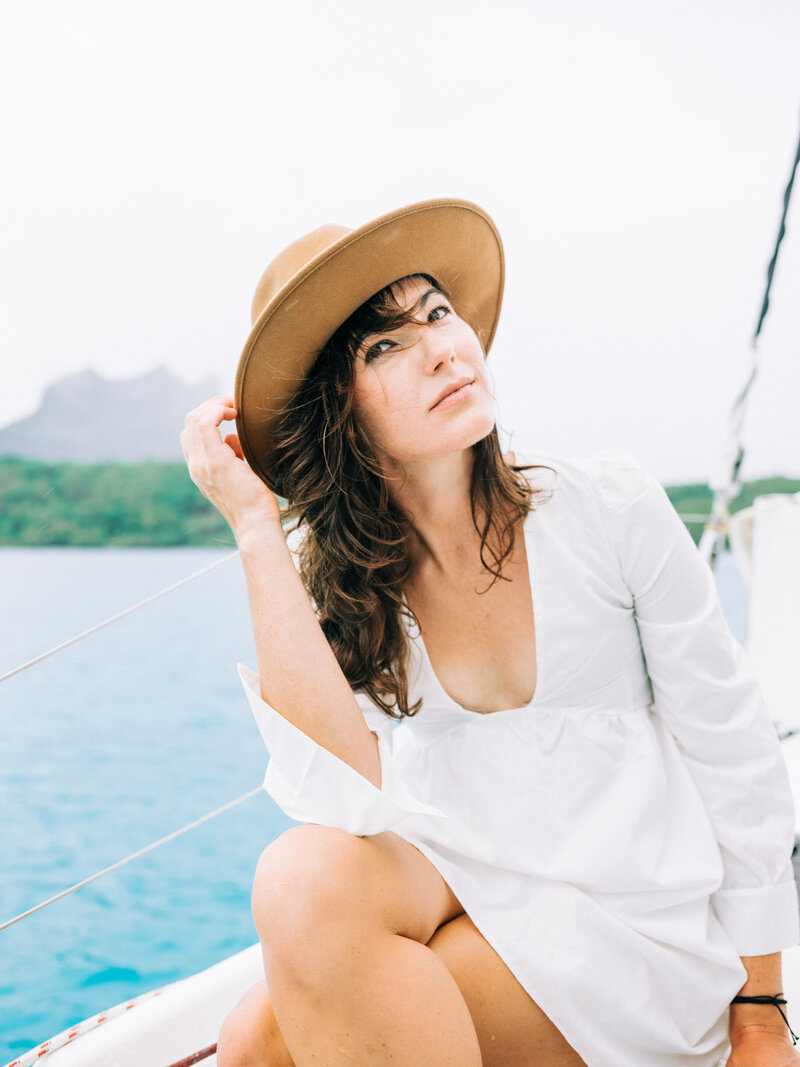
x=473 y=429
x=481 y=422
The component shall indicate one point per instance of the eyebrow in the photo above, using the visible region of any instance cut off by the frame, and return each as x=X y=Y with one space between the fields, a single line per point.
x=430 y=292
x=419 y=305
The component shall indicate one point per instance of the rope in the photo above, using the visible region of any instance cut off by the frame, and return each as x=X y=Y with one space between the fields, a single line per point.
x=35 y=1055
x=66 y=1037
x=119 y=615
x=133 y=856
x=196 y=1057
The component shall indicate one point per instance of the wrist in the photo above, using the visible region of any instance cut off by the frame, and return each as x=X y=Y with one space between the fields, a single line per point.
x=257 y=533
x=766 y=1018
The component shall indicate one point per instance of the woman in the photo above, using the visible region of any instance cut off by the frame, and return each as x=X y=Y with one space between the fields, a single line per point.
x=575 y=846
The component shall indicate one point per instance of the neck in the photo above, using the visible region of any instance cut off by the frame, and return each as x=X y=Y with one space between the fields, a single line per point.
x=436 y=498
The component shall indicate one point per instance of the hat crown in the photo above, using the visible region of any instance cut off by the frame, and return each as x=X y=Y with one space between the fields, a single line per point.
x=291 y=261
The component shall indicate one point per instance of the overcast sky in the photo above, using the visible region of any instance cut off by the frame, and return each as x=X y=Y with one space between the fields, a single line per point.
x=633 y=154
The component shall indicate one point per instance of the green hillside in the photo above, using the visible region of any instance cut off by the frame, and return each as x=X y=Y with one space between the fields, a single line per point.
x=158 y=504
x=108 y=504
x=696 y=499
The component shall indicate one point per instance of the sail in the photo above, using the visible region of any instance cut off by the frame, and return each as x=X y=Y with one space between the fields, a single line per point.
x=765 y=539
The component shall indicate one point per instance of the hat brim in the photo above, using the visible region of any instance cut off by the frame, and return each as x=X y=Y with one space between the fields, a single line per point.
x=453 y=240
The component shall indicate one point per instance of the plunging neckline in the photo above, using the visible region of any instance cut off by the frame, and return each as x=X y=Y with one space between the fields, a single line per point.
x=530 y=555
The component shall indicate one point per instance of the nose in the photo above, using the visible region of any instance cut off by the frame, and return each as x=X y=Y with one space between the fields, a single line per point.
x=440 y=351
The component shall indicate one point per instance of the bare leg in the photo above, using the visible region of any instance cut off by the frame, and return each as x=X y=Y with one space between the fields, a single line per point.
x=250 y=1035
x=512 y=1030
x=344 y=922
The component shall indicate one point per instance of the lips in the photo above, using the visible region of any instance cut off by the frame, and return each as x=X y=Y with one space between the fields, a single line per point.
x=451 y=387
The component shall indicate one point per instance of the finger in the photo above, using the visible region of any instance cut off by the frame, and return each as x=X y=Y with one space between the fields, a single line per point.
x=233 y=442
x=201 y=441
x=222 y=406
x=218 y=408
x=202 y=424
x=219 y=399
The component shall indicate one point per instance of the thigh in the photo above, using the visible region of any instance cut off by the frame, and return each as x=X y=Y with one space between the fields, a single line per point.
x=313 y=876
x=250 y=1033
x=512 y=1030
x=418 y=896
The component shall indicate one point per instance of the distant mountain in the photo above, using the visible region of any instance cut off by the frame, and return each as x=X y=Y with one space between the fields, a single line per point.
x=85 y=418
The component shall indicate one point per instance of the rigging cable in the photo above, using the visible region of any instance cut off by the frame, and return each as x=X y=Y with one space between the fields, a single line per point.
x=725 y=483
x=119 y=615
x=133 y=856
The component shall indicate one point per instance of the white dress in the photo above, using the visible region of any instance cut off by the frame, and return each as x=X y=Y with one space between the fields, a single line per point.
x=624 y=838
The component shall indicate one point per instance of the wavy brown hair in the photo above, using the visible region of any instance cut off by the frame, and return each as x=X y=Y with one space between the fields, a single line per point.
x=354 y=558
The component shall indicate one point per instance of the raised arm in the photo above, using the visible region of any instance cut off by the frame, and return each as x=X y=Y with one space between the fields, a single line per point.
x=299 y=674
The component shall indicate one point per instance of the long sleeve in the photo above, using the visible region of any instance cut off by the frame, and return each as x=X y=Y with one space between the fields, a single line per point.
x=310 y=784
x=708 y=698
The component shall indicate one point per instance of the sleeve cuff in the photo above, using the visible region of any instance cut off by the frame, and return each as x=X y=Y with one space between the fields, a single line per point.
x=759 y=921
x=310 y=784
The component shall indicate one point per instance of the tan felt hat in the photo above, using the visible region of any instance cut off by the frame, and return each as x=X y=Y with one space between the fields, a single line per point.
x=318 y=281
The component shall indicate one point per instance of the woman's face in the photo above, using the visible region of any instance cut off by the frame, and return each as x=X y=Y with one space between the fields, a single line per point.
x=421 y=390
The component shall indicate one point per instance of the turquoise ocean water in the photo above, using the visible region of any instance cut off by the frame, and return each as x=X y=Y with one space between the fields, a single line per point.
x=105 y=747
x=115 y=742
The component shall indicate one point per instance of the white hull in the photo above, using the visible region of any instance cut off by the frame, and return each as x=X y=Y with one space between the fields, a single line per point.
x=182 y=1020
x=185 y=1018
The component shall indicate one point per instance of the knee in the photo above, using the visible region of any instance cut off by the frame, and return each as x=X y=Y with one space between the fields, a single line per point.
x=235 y=1047
x=309 y=883
x=250 y=1036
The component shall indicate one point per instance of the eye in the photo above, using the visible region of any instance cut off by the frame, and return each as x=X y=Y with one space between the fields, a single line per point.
x=375 y=350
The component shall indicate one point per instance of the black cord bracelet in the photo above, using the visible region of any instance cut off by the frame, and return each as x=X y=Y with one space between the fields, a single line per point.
x=777 y=1000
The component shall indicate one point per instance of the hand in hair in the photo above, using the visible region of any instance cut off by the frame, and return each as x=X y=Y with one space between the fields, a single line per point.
x=219 y=470
x=287 y=634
